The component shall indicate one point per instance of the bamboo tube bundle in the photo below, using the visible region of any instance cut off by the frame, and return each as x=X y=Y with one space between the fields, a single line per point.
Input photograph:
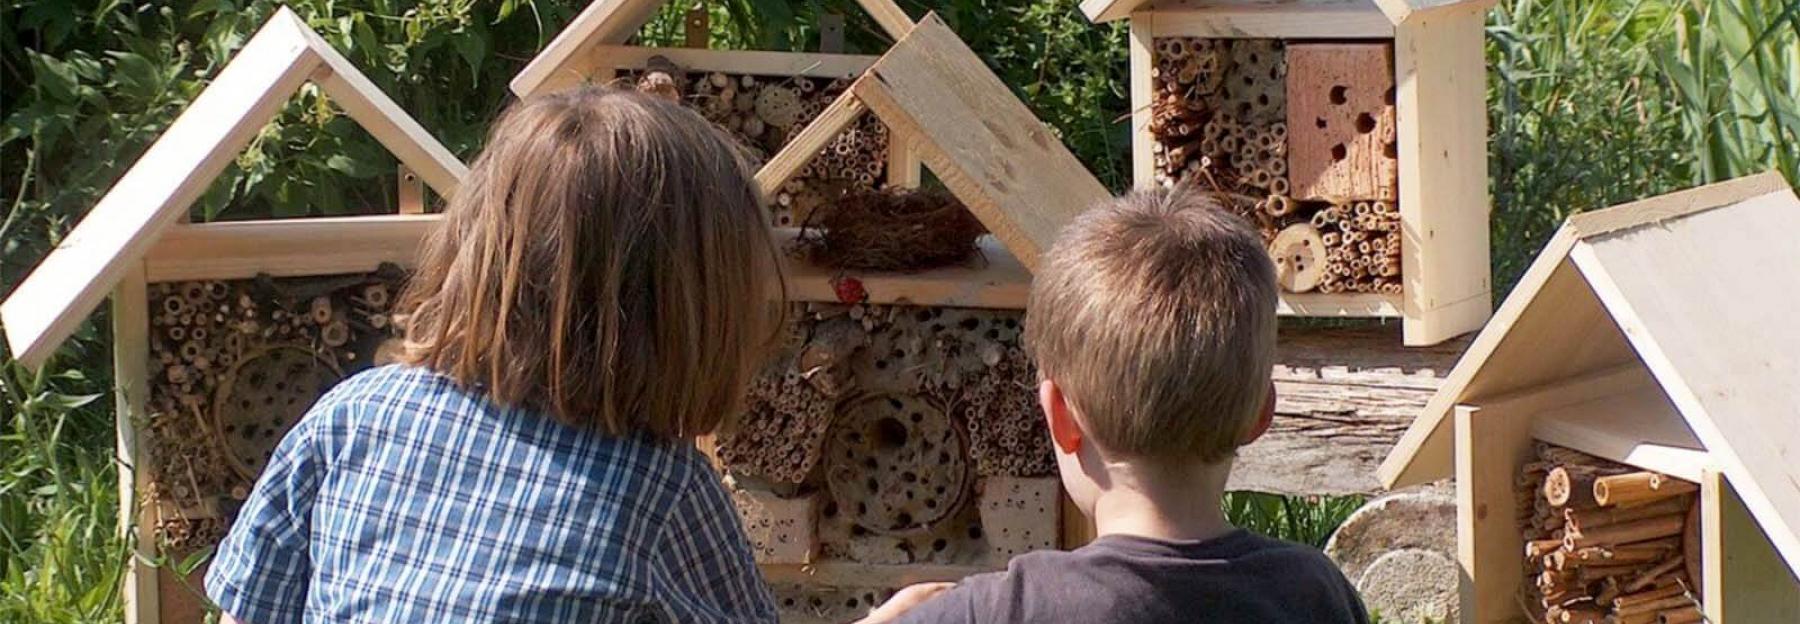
x=1604 y=542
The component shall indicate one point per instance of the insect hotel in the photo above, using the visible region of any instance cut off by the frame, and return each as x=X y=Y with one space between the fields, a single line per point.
x=225 y=333
x=895 y=438
x=1623 y=435
x=1353 y=132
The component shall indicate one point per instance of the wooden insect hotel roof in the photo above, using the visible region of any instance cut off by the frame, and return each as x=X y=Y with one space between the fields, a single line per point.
x=1690 y=295
x=181 y=165
x=602 y=29
x=1395 y=11
x=987 y=147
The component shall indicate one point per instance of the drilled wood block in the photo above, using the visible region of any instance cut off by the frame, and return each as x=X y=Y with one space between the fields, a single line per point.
x=781 y=530
x=1019 y=515
x=1341 y=125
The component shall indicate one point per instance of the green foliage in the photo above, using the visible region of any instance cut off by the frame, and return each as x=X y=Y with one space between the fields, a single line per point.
x=1302 y=519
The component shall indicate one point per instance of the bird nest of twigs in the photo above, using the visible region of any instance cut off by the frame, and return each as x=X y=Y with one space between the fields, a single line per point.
x=894 y=230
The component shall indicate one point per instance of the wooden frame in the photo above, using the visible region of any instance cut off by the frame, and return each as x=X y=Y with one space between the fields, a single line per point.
x=1440 y=78
x=133 y=237
x=158 y=190
x=1618 y=342
x=595 y=41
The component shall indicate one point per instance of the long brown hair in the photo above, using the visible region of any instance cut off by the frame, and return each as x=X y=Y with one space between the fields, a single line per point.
x=608 y=262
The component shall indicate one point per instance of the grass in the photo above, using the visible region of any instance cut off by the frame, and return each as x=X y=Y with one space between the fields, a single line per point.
x=1592 y=102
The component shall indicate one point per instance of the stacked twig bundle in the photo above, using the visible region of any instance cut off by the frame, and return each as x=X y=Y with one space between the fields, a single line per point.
x=233 y=366
x=1220 y=121
x=893 y=230
x=1606 y=543
x=764 y=113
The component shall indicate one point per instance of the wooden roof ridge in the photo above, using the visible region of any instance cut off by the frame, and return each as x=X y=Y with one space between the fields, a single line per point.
x=1701 y=295
x=1397 y=11
x=984 y=144
x=181 y=165
x=571 y=54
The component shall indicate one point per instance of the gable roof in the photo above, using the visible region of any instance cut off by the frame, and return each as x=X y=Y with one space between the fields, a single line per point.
x=984 y=144
x=573 y=55
x=183 y=162
x=1397 y=11
x=1697 y=288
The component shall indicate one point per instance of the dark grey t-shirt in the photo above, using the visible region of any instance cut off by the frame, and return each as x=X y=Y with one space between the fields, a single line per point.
x=1238 y=577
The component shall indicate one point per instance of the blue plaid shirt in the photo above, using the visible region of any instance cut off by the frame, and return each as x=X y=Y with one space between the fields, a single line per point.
x=403 y=498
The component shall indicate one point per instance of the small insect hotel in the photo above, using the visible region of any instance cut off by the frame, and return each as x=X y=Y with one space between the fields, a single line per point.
x=1624 y=436
x=895 y=438
x=225 y=333
x=1354 y=132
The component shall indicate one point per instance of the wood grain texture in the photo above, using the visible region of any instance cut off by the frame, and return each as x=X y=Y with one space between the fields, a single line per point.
x=1639 y=427
x=1491 y=444
x=287 y=247
x=1441 y=106
x=1142 y=42
x=1249 y=21
x=1340 y=120
x=1687 y=292
x=892 y=20
x=153 y=194
x=1343 y=397
x=984 y=144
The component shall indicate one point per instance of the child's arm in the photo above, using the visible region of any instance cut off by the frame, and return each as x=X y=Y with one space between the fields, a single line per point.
x=262 y=570
x=903 y=601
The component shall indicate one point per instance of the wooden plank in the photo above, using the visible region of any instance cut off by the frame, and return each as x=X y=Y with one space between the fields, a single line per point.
x=383 y=118
x=1340 y=121
x=1678 y=204
x=1100 y=11
x=131 y=395
x=1639 y=427
x=1490 y=447
x=411 y=192
x=759 y=63
x=570 y=60
x=1442 y=106
x=1730 y=368
x=1550 y=328
x=892 y=20
x=838 y=574
x=287 y=248
x=805 y=146
x=904 y=168
x=1745 y=580
x=1424 y=453
x=995 y=281
x=1143 y=99
x=984 y=144
x=1343 y=396
x=153 y=194
x=1334 y=21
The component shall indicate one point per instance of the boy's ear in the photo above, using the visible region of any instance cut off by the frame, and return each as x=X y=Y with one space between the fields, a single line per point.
x=1064 y=430
x=1263 y=420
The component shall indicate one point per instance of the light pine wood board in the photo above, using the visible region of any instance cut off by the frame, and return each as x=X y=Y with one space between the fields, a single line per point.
x=892 y=20
x=1143 y=95
x=994 y=280
x=984 y=144
x=131 y=393
x=1441 y=78
x=1639 y=427
x=1491 y=444
x=1745 y=580
x=759 y=63
x=287 y=247
x=1335 y=21
x=77 y=275
x=1706 y=301
x=904 y=169
x=569 y=60
x=1524 y=345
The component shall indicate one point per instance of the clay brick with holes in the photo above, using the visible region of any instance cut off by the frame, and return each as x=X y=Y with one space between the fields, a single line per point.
x=1341 y=140
x=1019 y=515
x=781 y=530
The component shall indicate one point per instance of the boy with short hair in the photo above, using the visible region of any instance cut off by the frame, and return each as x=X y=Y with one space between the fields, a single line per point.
x=1152 y=321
